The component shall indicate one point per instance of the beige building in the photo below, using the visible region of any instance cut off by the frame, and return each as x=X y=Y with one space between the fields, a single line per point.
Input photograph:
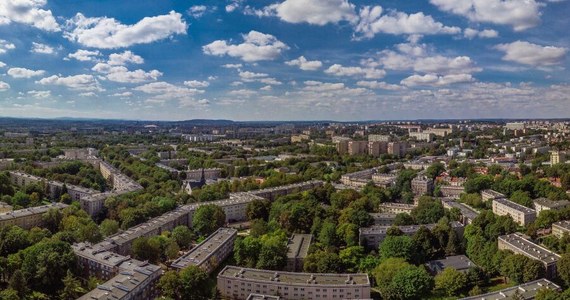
x=527 y=291
x=28 y=218
x=487 y=195
x=357 y=147
x=451 y=191
x=238 y=283
x=397 y=148
x=521 y=244
x=379 y=138
x=300 y=138
x=422 y=136
x=377 y=148
x=422 y=185
x=396 y=208
x=541 y=204
x=372 y=236
x=560 y=228
x=557 y=157
x=297 y=250
x=520 y=214
x=210 y=252
x=212 y=173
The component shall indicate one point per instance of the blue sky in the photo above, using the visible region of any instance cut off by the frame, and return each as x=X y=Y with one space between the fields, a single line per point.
x=284 y=60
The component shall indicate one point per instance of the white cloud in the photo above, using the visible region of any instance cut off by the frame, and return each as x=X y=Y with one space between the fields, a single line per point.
x=305 y=64
x=315 y=12
x=471 y=33
x=88 y=94
x=121 y=59
x=163 y=91
x=266 y=88
x=108 y=33
x=4 y=86
x=2 y=65
x=521 y=15
x=28 y=12
x=256 y=47
x=243 y=93
x=197 y=84
x=372 y=21
x=84 y=55
x=369 y=73
x=532 y=54
x=235 y=4
x=123 y=94
x=42 y=48
x=82 y=82
x=123 y=75
x=197 y=11
x=270 y=80
x=435 y=80
x=232 y=66
x=24 y=73
x=39 y=94
x=380 y=85
x=5 y=46
x=247 y=75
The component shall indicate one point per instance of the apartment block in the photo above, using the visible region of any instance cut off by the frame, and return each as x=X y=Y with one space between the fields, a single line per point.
x=560 y=228
x=209 y=174
x=28 y=218
x=542 y=204
x=297 y=250
x=396 y=208
x=383 y=219
x=520 y=214
x=372 y=236
x=422 y=185
x=468 y=214
x=377 y=148
x=487 y=195
x=451 y=191
x=558 y=157
x=521 y=244
x=397 y=149
x=379 y=138
x=422 y=136
x=238 y=283
x=210 y=252
x=357 y=147
x=527 y=291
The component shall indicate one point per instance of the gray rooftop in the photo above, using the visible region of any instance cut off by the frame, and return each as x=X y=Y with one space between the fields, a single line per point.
x=408 y=229
x=563 y=224
x=530 y=249
x=527 y=290
x=551 y=204
x=515 y=206
x=493 y=193
x=466 y=210
x=20 y=213
x=298 y=245
x=203 y=251
x=458 y=262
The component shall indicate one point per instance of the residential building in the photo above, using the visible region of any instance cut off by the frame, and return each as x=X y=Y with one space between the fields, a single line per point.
x=210 y=252
x=262 y=297
x=297 y=250
x=357 y=147
x=383 y=219
x=527 y=291
x=397 y=149
x=238 y=283
x=379 y=138
x=557 y=157
x=541 y=204
x=377 y=148
x=28 y=218
x=487 y=195
x=468 y=214
x=515 y=126
x=207 y=174
x=372 y=236
x=396 y=208
x=5 y=207
x=521 y=244
x=422 y=185
x=460 y=263
x=560 y=228
x=300 y=138
x=422 y=136
x=520 y=214
x=451 y=191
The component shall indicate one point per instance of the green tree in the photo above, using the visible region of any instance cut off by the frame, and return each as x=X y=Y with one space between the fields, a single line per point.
x=18 y=283
x=246 y=251
x=169 y=285
x=522 y=198
x=71 y=287
x=428 y=211
x=397 y=246
x=193 y=283
x=547 y=294
x=426 y=245
x=327 y=235
x=351 y=258
x=258 y=209
x=450 y=281
x=52 y=219
x=144 y=248
x=323 y=262
x=403 y=219
x=109 y=227
x=208 y=218
x=412 y=283
x=183 y=236
x=563 y=268
x=273 y=253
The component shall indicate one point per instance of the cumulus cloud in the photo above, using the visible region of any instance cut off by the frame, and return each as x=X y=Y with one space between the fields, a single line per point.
x=471 y=33
x=24 y=73
x=5 y=46
x=380 y=85
x=2 y=65
x=373 y=21
x=521 y=15
x=197 y=84
x=123 y=94
x=39 y=94
x=108 y=33
x=42 y=48
x=4 y=86
x=232 y=66
x=88 y=94
x=435 y=80
x=123 y=75
x=257 y=46
x=532 y=54
x=82 y=82
x=369 y=73
x=197 y=11
x=315 y=12
x=28 y=12
x=84 y=55
x=121 y=59
x=304 y=64
x=163 y=91
x=235 y=4
x=260 y=77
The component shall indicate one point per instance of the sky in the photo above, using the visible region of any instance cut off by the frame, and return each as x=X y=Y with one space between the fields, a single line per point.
x=285 y=59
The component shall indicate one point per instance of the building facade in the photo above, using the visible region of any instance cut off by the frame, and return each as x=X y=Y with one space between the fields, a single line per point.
x=520 y=214
x=297 y=250
x=521 y=244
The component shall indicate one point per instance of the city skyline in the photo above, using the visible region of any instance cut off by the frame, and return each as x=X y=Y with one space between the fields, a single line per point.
x=284 y=60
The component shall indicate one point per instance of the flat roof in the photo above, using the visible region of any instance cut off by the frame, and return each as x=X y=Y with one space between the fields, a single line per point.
x=98 y=254
x=382 y=216
x=530 y=249
x=550 y=203
x=515 y=206
x=298 y=245
x=408 y=229
x=120 y=286
x=493 y=193
x=564 y=224
x=20 y=213
x=202 y=252
x=466 y=210
x=527 y=290
x=458 y=262
x=295 y=278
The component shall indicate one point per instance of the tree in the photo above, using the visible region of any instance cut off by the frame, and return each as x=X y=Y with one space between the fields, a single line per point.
x=519 y=268
x=435 y=170
x=183 y=236
x=13 y=239
x=258 y=209
x=547 y=294
x=18 y=283
x=9 y=294
x=428 y=211
x=385 y=272
x=246 y=251
x=193 y=282
x=450 y=281
x=109 y=227
x=397 y=246
x=169 y=285
x=403 y=219
x=208 y=218
x=144 y=248
x=322 y=262
x=71 y=287
x=426 y=245
x=478 y=183
x=273 y=253
x=563 y=267
x=351 y=257
x=412 y=283
x=522 y=198
x=327 y=235
x=52 y=219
